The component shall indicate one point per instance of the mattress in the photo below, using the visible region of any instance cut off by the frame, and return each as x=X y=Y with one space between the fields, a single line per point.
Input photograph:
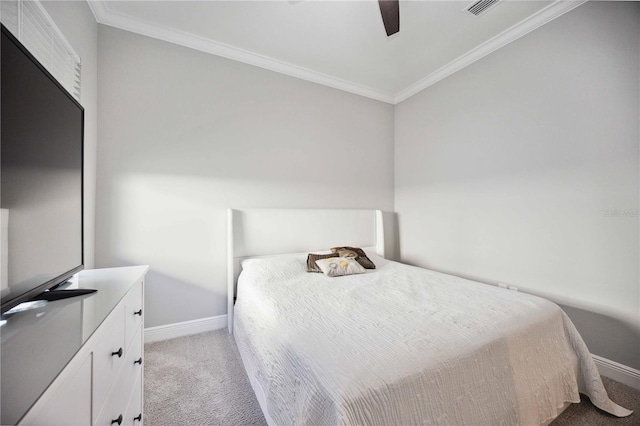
x=403 y=345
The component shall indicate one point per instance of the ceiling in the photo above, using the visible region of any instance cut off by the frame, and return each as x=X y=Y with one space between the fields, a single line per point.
x=338 y=43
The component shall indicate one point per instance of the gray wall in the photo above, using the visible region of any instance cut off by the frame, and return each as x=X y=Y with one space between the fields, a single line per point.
x=79 y=26
x=523 y=169
x=185 y=135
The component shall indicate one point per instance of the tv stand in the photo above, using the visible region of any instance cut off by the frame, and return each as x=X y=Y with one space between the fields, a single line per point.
x=52 y=295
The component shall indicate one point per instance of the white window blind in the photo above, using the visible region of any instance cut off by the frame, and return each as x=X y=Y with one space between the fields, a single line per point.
x=30 y=23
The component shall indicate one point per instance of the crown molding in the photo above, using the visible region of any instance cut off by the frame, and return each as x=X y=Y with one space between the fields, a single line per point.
x=538 y=19
x=124 y=22
x=108 y=17
x=99 y=10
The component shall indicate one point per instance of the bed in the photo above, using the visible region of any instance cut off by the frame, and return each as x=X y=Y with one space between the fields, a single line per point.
x=398 y=345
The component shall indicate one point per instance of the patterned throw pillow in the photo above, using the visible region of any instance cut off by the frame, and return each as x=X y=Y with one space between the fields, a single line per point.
x=311 y=261
x=356 y=253
x=337 y=266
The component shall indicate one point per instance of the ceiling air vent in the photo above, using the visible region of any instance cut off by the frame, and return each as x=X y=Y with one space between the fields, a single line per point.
x=481 y=6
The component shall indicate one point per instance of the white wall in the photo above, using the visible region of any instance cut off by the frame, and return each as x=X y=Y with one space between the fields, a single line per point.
x=507 y=171
x=523 y=169
x=77 y=23
x=185 y=135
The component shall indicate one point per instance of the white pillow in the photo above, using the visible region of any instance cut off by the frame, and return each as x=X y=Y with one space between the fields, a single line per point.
x=337 y=266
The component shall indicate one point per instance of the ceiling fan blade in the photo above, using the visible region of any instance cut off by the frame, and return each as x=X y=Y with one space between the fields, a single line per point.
x=390 y=11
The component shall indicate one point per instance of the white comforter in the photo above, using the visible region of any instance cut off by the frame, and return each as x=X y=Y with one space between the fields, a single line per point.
x=403 y=345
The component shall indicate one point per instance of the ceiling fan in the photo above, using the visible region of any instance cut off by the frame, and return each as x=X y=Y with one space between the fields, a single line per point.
x=390 y=11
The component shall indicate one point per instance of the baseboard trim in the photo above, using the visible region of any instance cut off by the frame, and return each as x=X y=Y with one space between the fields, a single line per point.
x=186 y=328
x=618 y=372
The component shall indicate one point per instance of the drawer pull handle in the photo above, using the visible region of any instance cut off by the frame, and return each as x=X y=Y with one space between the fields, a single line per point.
x=139 y=361
x=119 y=353
x=118 y=420
x=138 y=312
x=138 y=417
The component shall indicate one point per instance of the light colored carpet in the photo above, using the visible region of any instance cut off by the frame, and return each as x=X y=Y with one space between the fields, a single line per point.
x=200 y=380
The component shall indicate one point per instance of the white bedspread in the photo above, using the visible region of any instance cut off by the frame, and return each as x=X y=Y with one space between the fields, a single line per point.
x=403 y=345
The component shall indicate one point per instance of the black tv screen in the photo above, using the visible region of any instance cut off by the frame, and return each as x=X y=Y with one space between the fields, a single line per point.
x=41 y=168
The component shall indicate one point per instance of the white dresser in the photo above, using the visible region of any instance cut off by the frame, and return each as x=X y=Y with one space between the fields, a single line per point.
x=78 y=361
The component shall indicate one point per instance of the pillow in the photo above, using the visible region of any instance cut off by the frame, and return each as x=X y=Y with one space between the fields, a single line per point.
x=311 y=261
x=356 y=253
x=337 y=266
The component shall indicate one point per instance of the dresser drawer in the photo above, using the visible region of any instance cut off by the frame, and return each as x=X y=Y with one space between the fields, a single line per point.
x=134 y=365
x=119 y=396
x=134 y=410
x=133 y=311
x=106 y=359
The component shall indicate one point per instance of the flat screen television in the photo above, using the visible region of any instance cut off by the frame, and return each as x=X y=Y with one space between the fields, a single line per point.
x=41 y=168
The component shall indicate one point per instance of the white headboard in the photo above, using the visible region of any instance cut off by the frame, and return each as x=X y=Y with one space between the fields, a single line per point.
x=259 y=232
